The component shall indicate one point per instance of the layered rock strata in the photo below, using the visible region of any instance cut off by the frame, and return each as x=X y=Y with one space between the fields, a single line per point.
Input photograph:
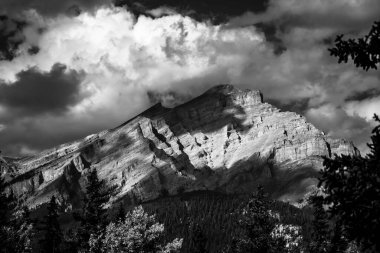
x=225 y=140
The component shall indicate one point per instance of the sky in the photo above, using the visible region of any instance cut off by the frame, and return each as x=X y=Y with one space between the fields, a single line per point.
x=72 y=68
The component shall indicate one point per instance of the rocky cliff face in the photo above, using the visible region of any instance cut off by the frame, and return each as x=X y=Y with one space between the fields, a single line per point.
x=226 y=140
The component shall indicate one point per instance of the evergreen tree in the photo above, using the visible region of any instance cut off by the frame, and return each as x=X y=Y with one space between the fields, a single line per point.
x=352 y=188
x=258 y=223
x=320 y=235
x=339 y=243
x=23 y=231
x=93 y=219
x=52 y=230
x=198 y=239
x=120 y=216
x=7 y=208
x=70 y=240
x=20 y=233
x=4 y=209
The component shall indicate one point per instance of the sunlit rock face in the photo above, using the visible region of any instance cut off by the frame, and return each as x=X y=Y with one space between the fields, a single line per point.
x=226 y=140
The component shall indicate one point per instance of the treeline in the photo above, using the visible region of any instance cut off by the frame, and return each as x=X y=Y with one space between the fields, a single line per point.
x=217 y=216
x=341 y=217
x=192 y=222
x=93 y=229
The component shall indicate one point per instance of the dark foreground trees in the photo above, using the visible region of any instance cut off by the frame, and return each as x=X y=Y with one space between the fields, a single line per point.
x=352 y=188
x=16 y=227
x=138 y=232
x=6 y=206
x=258 y=222
x=93 y=219
x=365 y=52
x=198 y=239
x=52 y=233
x=351 y=184
x=320 y=238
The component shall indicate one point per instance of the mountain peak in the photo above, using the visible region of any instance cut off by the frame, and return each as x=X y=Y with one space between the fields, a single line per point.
x=229 y=95
x=224 y=140
x=223 y=89
x=229 y=89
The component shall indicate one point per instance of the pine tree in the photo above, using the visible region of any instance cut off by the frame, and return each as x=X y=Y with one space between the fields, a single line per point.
x=23 y=231
x=339 y=243
x=52 y=230
x=7 y=208
x=4 y=208
x=198 y=238
x=93 y=219
x=258 y=224
x=352 y=183
x=320 y=235
x=352 y=188
x=120 y=216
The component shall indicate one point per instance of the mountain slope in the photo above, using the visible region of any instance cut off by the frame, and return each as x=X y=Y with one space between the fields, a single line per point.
x=226 y=140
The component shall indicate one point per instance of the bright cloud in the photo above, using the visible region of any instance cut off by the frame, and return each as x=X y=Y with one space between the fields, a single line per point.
x=125 y=60
x=365 y=109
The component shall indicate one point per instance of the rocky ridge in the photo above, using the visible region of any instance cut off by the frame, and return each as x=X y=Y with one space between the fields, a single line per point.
x=226 y=140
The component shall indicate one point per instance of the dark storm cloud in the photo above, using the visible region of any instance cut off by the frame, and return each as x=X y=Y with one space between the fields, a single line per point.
x=270 y=31
x=49 y=7
x=30 y=135
x=363 y=95
x=201 y=10
x=10 y=36
x=131 y=63
x=299 y=106
x=36 y=92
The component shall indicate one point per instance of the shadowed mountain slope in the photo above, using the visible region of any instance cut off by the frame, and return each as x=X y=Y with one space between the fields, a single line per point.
x=225 y=140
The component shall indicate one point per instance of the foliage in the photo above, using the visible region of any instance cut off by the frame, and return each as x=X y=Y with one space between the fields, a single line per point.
x=16 y=227
x=120 y=216
x=5 y=207
x=338 y=242
x=52 y=230
x=20 y=232
x=217 y=214
x=24 y=228
x=258 y=223
x=352 y=188
x=198 y=238
x=320 y=242
x=138 y=233
x=93 y=217
x=292 y=236
x=365 y=52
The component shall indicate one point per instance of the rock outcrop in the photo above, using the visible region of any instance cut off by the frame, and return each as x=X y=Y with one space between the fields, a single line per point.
x=225 y=140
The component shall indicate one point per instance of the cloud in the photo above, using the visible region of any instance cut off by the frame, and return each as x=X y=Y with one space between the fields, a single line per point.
x=363 y=95
x=121 y=59
x=168 y=99
x=126 y=63
x=345 y=15
x=329 y=18
x=49 y=7
x=364 y=108
x=206 y=10
x=339 y=124
x=37 y=92
x=10 y=36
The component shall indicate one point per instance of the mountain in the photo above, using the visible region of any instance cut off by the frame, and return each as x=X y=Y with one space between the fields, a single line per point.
x=226 y=140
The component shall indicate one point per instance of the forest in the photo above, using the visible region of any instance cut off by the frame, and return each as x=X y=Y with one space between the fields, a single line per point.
x=341 y=216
